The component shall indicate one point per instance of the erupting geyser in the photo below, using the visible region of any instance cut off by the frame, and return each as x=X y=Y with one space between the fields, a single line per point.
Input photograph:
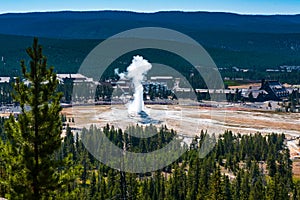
x=136 y=71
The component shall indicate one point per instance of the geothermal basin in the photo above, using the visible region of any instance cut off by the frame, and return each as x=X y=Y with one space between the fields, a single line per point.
x=189 y=120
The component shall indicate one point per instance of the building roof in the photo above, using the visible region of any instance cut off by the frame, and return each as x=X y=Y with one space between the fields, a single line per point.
x=77 y=78
x=4 y=79
x=276 y=88
x=161 y=78
x=74 y=76
x=218 y=91
x=254 y=92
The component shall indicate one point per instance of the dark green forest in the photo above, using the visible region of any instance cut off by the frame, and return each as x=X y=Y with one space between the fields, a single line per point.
x=68 y=54
x=238 y=167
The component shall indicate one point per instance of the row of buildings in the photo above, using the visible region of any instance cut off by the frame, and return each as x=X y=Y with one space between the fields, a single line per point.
x=268 y=90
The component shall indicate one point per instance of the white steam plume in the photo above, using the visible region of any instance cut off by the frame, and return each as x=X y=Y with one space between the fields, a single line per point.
x=136 y=71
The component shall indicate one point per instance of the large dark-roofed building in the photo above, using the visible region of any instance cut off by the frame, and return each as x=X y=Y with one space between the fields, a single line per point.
x=276 y=91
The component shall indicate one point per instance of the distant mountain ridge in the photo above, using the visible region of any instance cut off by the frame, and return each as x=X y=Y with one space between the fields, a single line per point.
x=246 y=41
x=102 y=24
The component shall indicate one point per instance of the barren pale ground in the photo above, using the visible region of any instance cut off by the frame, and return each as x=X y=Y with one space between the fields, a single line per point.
x=190 y=120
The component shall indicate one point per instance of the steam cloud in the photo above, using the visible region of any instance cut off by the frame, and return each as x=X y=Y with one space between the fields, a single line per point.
x=136 y=72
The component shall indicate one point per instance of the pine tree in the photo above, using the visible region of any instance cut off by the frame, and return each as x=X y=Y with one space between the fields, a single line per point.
x=93 y=185
x=245 y=189
x=226 y=188
x=237 y=186
x=272 y=189
x=35 y=136
x=271 y=165
x=69 y=144
x=251 y=98
x=102 y=188
x=216 y=191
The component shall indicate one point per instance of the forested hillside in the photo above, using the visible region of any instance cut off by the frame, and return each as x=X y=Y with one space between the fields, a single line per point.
x=246 y=41
x=68 y=54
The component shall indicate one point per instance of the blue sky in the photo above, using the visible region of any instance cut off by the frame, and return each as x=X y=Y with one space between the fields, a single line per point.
x=236 y=6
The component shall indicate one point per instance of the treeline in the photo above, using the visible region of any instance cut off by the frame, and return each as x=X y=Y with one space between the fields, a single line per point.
x=257 y=74
x=238 y=167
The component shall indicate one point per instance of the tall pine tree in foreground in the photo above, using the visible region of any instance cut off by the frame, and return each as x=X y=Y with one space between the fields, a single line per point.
x=35 y=136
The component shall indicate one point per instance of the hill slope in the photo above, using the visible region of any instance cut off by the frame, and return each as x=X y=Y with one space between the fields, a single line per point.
x=247 y=41
x=99 y=25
